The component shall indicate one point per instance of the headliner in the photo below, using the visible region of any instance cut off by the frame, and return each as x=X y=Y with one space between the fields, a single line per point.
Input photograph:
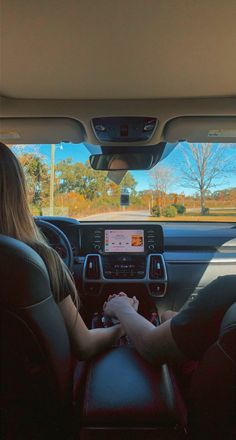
x=115 y=49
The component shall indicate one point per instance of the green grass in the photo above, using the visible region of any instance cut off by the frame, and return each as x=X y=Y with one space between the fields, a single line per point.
x=221 y=215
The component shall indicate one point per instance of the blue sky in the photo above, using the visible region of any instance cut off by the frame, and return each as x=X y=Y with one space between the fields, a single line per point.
x=80 y=153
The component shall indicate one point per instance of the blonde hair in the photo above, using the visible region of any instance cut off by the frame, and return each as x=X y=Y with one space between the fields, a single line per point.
x=16 y=221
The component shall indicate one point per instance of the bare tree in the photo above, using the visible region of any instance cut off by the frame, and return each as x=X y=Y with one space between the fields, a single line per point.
x=162 y=179
x=205 y=167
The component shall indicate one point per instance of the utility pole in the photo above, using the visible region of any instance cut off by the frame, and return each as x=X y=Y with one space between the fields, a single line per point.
x=52 y=175
x=150 y=202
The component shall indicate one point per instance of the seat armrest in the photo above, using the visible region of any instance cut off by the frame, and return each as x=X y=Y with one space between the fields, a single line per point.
x=123 y=389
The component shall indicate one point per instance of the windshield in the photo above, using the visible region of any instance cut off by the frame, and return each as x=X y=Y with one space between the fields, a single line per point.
x=195 y=182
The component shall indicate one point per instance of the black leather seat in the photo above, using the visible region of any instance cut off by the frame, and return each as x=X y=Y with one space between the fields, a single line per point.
x=36 y=376
x=212 y=412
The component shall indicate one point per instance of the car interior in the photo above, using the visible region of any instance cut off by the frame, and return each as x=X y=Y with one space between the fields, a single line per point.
x=107 y=92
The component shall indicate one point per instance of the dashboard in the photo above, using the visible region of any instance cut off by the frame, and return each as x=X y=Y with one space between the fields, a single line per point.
x=167 y=263
x=124 y=253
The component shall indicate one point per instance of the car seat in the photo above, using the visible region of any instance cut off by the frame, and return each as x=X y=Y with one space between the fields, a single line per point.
x=36 y=376
x=212 y=405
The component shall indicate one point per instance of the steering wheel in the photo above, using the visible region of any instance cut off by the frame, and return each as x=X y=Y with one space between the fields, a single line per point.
x=58 y=240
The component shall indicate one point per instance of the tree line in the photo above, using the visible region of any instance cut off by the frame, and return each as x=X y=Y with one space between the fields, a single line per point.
x=80 y=189
x=75 y=184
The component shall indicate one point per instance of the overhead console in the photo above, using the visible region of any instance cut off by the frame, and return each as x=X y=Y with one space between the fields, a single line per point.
x=120 y=129
x=124 y=253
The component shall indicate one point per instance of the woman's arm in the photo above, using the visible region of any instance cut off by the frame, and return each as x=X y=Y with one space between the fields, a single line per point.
x=155 y=344
x=87 y=343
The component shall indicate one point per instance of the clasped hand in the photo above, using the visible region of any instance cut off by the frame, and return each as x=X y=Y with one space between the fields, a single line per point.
x=117 y=302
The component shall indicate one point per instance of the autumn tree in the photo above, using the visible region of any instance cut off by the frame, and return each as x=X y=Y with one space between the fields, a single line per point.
x=162 y=179
x=90 y=183
x=204 y=167
x=37 y=179
x=79 y=178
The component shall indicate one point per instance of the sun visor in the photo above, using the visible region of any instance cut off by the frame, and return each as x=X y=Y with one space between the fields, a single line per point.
x=201 y=129
x=40 y=130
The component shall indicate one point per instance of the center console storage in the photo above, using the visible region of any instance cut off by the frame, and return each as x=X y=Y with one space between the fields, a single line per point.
x=125 y=397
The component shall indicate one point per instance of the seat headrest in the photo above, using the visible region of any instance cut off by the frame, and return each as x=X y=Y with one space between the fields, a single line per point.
x=24 y=279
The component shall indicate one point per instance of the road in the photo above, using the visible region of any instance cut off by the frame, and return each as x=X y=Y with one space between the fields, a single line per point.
x=118 y=216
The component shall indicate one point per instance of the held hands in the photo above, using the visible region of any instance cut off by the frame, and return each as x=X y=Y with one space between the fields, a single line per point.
x=117 y=302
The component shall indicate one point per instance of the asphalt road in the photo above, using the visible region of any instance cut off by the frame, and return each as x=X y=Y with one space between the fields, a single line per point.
x=118 y=216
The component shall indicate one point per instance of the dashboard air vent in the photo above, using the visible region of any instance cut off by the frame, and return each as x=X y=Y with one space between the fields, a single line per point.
x=156 y=268
x=92 y=269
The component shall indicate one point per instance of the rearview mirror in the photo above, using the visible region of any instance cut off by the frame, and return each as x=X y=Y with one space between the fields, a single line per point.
x=123 y=161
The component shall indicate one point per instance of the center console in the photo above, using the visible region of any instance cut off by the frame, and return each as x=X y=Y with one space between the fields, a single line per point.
x=124 y=253
x=125 y=397
x=146 y=403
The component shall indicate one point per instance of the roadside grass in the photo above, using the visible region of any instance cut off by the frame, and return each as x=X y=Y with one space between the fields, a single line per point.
x=221 y=215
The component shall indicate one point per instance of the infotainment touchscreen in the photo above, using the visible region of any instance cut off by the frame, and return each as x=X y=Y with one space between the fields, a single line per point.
x=124 y=240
